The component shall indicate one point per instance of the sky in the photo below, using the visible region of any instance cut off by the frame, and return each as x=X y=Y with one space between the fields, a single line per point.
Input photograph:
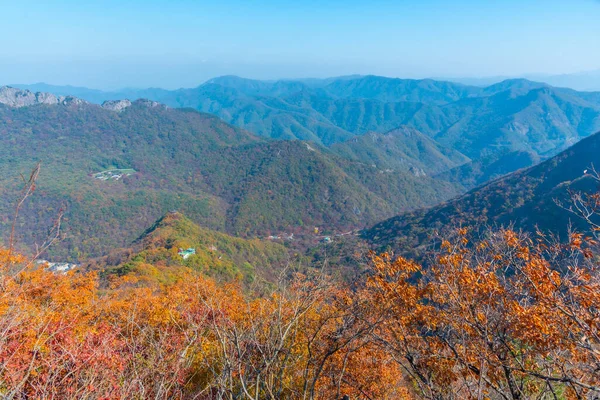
x=112 y=44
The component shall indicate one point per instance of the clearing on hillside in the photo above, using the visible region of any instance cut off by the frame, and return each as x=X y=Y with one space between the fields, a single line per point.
x=113 y=174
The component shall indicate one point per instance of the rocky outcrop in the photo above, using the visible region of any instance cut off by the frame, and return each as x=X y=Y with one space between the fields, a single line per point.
x=150 y=103
x=120 y=105
x=14 y=97
x=116 y=105
x=70 y=100
x=418 y=172
x=22 y=98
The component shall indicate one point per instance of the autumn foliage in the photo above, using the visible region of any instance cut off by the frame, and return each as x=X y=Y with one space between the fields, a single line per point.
x=64 y=336
x=505 y=317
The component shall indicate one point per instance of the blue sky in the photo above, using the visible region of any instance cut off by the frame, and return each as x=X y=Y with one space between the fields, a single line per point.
x=180 y=43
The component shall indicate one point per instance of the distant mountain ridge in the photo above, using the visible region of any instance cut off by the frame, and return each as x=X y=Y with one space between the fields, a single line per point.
x=479 y=122
x=350 y=105
x=582 y=81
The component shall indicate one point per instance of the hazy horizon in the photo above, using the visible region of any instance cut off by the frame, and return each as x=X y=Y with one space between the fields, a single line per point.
x=466 y=80
x=138 y=44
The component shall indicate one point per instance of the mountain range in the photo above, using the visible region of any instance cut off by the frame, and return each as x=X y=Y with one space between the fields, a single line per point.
x=259 y=158
x=484 y=124
x=117 y=168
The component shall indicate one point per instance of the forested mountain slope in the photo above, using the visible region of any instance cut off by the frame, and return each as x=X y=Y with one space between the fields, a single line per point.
x=116 y=169
x=403 y=148
x=526 y=198
x=163 y=250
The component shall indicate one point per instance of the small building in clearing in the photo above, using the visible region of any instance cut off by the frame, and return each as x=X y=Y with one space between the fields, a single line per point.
x=187 y=252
